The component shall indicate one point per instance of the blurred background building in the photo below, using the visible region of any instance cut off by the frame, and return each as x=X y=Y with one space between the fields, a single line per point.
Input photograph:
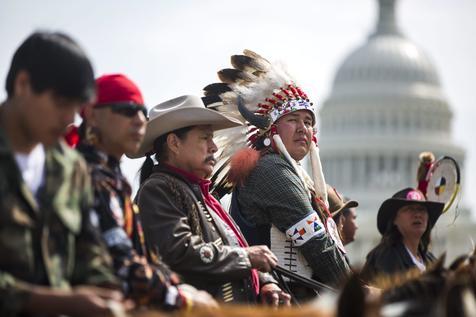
x=386 y=106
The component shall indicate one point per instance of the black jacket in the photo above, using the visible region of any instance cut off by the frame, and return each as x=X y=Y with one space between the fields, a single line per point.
x=390 y=260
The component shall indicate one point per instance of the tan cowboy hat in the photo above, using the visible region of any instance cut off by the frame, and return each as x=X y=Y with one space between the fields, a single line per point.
x=180 y=112
x=336 y=202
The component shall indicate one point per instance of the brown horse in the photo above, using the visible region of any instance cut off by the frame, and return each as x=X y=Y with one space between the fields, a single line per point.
x=439 y=292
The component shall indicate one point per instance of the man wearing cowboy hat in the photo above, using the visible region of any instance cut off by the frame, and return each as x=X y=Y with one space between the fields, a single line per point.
x=182 y=221
x=349 y=223
x=341 y=213
x=405 y=221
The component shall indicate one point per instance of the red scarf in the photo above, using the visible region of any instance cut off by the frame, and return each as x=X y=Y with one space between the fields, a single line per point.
x=214 y=205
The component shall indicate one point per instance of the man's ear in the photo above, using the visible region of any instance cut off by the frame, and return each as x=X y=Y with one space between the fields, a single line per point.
x=173 y=143
x=22 y=84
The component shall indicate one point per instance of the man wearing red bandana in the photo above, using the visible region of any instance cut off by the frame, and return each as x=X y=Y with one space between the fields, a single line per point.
x=112 y=126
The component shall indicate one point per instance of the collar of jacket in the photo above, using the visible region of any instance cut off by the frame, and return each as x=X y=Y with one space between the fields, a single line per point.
x=163 y=168
x=60 y=177
x=7 y=160
x=204 y=184
x=63 y=181
x=104 y=167
x=406 y=258
x=94 y=156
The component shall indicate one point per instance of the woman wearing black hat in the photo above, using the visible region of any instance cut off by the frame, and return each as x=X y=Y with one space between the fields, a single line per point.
x=405 y=222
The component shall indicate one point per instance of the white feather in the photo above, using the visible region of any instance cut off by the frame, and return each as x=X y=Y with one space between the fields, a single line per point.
x=317 y=174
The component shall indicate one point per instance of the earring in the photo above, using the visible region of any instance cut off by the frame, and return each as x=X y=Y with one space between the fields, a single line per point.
x=272 y=131
x=91 y=136
x=267 y=141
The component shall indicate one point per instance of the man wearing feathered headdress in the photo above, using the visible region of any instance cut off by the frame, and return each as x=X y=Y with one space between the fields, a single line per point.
x=274 y=199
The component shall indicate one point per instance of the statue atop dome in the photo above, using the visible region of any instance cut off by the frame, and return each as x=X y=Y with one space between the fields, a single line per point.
x=386 y=23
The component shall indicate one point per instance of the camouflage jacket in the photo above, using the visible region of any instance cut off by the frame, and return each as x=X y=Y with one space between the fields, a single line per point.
x=119 y=223
x=47 y=239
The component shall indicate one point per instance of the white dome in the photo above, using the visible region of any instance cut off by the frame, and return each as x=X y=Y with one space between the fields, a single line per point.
x=389 y=58
x=386 y=105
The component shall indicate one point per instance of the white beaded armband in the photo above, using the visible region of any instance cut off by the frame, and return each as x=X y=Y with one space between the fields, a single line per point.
x=305 y=229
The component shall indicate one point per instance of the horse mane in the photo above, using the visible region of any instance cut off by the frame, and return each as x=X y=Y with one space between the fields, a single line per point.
x=424 y=286
x=386 y=282
x=353 y=300
x=460 y=297
x=439 y=291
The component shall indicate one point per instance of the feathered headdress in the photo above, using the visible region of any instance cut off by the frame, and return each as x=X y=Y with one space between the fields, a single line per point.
x=258 y=93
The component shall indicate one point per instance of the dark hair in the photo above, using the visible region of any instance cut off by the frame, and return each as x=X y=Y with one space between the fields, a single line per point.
x=160 y=150
x=54 y=61
x=392 y=236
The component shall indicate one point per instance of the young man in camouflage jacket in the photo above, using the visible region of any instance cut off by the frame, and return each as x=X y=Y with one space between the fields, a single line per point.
x=49 y=250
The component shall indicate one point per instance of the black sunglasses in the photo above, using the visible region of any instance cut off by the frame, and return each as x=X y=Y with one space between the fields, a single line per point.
x=126 y=109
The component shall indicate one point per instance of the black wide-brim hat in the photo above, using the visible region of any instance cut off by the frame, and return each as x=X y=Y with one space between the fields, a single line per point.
x=407 y=196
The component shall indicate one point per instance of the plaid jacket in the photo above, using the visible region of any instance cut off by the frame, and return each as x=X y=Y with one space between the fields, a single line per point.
x=47 y=239
x=274 y=194
x=117 y=216
x=119 y=223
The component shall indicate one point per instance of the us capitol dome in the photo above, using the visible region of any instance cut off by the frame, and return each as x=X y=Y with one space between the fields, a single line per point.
x=385 y=107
